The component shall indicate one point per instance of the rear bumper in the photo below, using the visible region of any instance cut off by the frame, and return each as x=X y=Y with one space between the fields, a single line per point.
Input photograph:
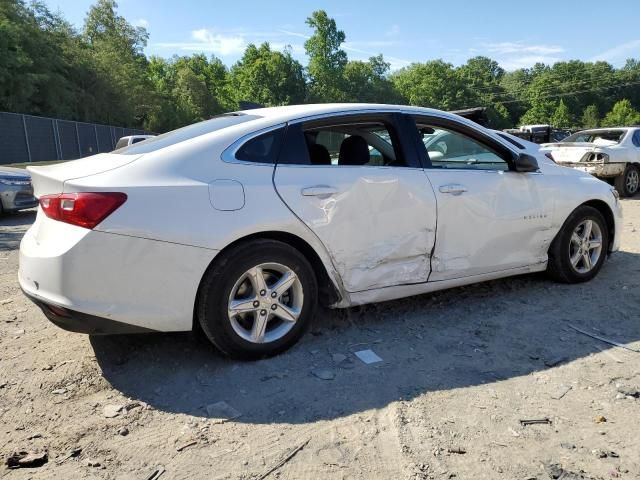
x=79 y=322
x=96 y=282
x=597 y=169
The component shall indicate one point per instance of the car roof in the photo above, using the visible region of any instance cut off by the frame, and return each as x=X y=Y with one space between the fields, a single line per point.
x=290 y=112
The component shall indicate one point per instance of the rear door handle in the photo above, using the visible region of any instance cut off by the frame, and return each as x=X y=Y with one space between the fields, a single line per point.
x=453 y=189
x=319 y=191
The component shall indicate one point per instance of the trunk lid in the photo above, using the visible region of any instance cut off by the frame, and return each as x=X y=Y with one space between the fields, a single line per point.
x=50 y=179
x=570 y=152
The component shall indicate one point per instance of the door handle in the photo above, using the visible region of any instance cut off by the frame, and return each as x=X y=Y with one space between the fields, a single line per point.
x=453 y=189
x=319 y=191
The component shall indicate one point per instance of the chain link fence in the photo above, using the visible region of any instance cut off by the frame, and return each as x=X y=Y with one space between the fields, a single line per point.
x=25 y=138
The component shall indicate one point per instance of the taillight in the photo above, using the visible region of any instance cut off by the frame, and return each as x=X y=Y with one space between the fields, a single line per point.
x=550 y=157
x=85 y=209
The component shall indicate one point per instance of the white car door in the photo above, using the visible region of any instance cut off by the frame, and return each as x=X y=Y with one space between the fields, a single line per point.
x=354 y=183
x=490 y=217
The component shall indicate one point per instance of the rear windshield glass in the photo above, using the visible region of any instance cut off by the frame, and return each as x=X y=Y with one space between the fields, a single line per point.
x=186 y=133
x=590 y=137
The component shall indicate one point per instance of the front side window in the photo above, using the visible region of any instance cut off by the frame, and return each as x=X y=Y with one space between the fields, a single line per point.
x=451 y=149
x=636 y=138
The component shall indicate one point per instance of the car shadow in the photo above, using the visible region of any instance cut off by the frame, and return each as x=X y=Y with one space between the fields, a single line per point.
x=17 y=224
x=451 y=339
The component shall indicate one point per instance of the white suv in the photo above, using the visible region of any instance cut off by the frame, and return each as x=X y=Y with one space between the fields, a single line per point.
x=612 y=154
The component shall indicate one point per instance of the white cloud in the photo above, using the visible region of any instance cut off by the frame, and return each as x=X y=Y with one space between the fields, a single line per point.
x=394 y=31
x=503 y=48
x=618 y=53
x=205 y=40
x=142 y=22
x=515 y=55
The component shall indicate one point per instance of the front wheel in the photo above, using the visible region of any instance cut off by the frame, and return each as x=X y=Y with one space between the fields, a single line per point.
x=580 y=248
x=628 y=183
x=257 y=299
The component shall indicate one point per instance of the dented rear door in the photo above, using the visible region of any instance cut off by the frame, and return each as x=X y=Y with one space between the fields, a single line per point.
x=377 y=222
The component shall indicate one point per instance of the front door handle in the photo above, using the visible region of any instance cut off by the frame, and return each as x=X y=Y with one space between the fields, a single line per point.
x=453 y=189
x=319 y=191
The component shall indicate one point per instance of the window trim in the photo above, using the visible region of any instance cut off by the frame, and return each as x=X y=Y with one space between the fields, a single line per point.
x=229 y=154
x=500 y=149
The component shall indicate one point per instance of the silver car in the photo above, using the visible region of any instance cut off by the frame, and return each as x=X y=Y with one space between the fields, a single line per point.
x=16 y=192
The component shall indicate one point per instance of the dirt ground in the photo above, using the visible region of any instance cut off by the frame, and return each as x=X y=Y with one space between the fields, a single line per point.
x=460 y=369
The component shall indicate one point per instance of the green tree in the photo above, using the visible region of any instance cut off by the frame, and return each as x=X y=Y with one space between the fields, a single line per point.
x=622 y=115
x=117 y=53
x=327 y=60
x=267 y=77
x=368 y=82
x=561 y=117
x=590 y=117
x=432 y=84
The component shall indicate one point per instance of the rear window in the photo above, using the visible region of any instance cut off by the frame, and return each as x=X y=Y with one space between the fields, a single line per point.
x=122 y=142
x=187 y=133
x=590 y=137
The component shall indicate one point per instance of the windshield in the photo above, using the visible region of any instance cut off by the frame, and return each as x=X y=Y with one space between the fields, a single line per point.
x=186 y=133
x=592 y=136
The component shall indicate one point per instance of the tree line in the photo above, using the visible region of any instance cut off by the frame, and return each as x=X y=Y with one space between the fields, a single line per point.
x=101 y=74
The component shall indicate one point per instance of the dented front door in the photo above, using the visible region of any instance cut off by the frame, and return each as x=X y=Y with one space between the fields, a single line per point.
x=378 y=223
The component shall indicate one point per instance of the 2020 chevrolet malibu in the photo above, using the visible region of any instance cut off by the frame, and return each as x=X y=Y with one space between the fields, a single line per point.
x=243 y=223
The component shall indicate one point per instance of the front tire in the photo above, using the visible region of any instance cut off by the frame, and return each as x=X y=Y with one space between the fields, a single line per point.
x=257 y=299
x=580 y=248
x=628 y=183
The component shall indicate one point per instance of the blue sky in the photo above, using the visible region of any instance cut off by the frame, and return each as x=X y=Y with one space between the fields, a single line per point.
x=515 y=33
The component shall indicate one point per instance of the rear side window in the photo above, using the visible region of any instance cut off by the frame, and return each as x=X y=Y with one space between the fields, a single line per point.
x=636 y=138
x=261 y=149
x=137 y=140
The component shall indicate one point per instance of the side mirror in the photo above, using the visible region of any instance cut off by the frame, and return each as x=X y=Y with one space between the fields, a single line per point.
x=526 y=163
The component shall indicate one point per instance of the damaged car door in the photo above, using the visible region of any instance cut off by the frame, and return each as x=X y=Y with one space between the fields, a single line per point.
x=491 y=218
x=357 y=184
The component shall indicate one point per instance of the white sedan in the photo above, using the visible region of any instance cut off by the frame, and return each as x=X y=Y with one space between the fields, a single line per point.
x=242 y=224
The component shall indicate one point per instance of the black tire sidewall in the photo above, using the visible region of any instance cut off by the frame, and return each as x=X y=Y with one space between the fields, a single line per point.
x=213 y=316
x=561 y=253
x=621 y=181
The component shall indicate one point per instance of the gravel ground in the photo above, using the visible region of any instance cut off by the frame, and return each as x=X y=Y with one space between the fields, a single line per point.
x=460 y=369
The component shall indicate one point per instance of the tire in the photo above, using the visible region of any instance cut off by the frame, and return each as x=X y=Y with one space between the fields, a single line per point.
x=628 y=183
x=565 y=248
x=235 y=276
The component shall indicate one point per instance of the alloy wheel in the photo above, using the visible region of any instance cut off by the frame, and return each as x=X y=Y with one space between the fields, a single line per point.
x=265 y=303
x=585 y=246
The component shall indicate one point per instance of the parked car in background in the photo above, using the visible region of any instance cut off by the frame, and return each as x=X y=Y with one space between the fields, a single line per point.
x=131 y=139
x=242 y=224
x=539 y=133
x=16 y=192
x=612 y=154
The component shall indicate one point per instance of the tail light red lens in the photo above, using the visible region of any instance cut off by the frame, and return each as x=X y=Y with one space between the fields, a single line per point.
x=84 y=209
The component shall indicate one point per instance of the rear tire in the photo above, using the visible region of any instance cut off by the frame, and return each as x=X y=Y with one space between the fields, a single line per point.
x=584 y=234
x=628 y=183
x=257 y=299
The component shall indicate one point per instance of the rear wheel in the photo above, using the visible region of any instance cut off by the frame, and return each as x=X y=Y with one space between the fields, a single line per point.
x=257 y=299
x=628 y=183
x=580 y=248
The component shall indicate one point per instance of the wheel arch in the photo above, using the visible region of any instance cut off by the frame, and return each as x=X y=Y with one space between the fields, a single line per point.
x=329 y=292
x=606 y=212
